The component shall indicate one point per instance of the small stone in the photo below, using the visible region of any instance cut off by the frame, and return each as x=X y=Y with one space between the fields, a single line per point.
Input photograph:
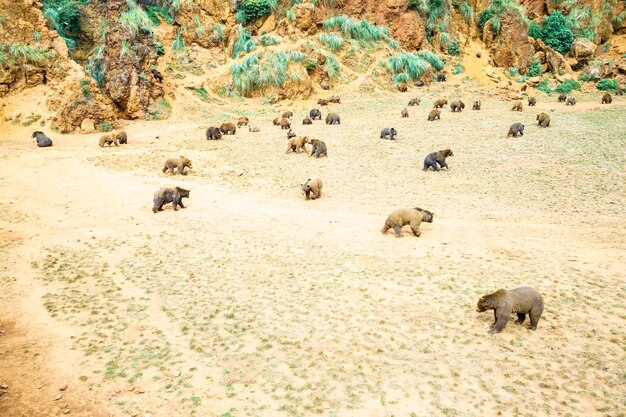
x=4 y=386
x=131 y=388
x=139 y=391
x=63 y=387
x=58 y=397
x=66 y=411
x=175 y=373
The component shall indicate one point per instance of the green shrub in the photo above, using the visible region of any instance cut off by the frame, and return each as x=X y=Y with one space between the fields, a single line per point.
x=135 y=20
x=160 y=49
x=202 y=93
x=586 y=78
x=333 y=41
x=513 y=71
x=104 y=127
x=544 y=86
x=567 y=86
x=218 y=32
x=64 y=16
x=310 y=64
x=153 y=13
x=458 y=68
x=253 y=9
x=453 y=47
x=536 y=69
x=608 y=85
x=296 y=56
x=83 y=88
x=254 y=73
x=554 y=32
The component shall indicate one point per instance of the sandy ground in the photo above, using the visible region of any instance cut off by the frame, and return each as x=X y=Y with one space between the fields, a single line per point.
x=255 y=302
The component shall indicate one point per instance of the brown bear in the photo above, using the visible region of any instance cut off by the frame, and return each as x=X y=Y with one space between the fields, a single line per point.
x=312 y=188
x=532 y=101
x=228 y=128
x=122 y=138
x=180 y=163
x=570 y=101
x=412 y=216
x=333 y=118
x=335 y=99
x=287 y=115
x=520 y=300
x=562 y=98
x=516 y=129
x=404 y=113
x=434 y=114
x=108 y=139
x=476 y=105
x=324 y=85
x=607 y=99
x=403 y=88
x=414 y=102
x=276 y=121
x=307 y=121
x=319 y=148
x=213 y=133
x=297 y=144
x=322 y=102
x=439 y=157
x=243 y=121
x=291 y=134
x=285 y=124
x=517 y=106
x=440 y=103
x=169 y=195
x=543 y=120
x=457 y=106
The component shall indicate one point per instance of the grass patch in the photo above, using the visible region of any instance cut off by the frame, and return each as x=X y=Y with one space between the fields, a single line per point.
x=104 y=127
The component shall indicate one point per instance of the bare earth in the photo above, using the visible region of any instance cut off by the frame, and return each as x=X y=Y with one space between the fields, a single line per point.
x=255 y=302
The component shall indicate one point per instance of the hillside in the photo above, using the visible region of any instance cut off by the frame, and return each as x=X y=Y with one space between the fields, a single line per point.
x=97 y=59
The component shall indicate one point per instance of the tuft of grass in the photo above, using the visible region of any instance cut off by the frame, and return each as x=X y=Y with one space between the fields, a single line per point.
x=413 y=65
x=178 y=45
x=431 y=58
x=22 y=54
x=244 y=42
x=97 y=65
x=333 y=41
x=153 y=13
x=135 y=20
x=495 y=10
x=361 y=31
x=458 y=69
x=332 y=66
x=267 y=40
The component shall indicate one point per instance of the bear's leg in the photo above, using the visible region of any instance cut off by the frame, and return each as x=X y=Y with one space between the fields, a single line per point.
x=535 y=314
x=415 y=227
x=520 y=318
x=501 y=321
x=398 y=230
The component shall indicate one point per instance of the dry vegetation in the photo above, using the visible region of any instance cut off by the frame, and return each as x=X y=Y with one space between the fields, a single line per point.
x=255 y=302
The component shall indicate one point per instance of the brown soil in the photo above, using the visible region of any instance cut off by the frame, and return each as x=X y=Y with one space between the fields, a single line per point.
x=255 y=302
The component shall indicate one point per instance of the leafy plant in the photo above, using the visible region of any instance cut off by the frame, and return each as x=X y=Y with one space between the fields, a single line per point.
x=555 y=33
x=567 y=86
x=453 y=47
x=466 y=11
x=412 y=65
x=608 y=85
x=250 y=10
x=431 y=58
x=160 y=49
x=253 y=72
x=544 y=86
x=458 y=68
x=104 y=127
x=179 y=44
x=153 y=13
x=536 y=69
